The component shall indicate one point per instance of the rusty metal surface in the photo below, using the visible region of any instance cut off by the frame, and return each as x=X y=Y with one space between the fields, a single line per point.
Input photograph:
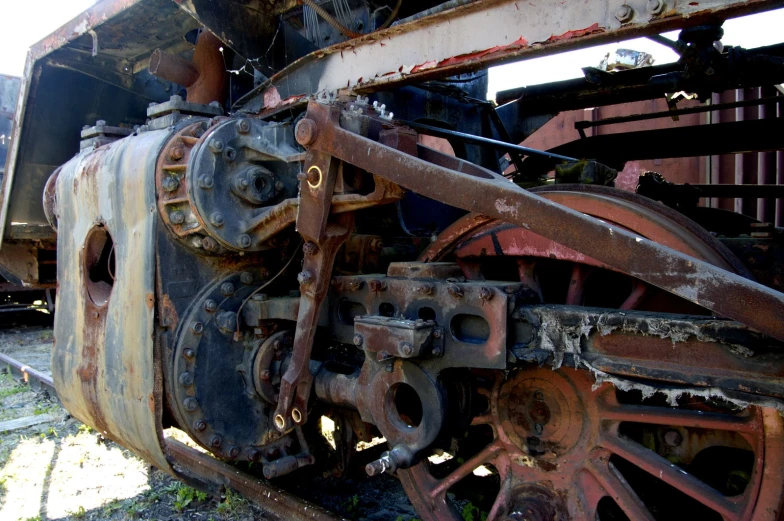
x=277 y=502
x=104 y=364
x=492 y=195
x=554 y=435
x=499 y=31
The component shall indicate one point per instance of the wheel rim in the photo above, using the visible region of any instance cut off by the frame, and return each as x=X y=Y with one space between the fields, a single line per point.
x=599 y=465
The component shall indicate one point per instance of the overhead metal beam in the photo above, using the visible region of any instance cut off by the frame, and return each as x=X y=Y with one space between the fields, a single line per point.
x=480 y=34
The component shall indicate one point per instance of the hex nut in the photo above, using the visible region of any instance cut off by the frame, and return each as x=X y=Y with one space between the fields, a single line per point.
x=209 y=244
x=234 y=452
x=206 y=181
x=215 y=442
x=210 y=305
x=656 y=7
x=217 y=219
x=186 y=379
x=244 y=241
x=455 y=291
x=624 y=14
x=197 y=328
x=246 y=277
x=176 y=153
x=188 y=353
x=215 y=146
x=358 y=340
x=406 y=349
x=227 y=289
x=243 y=126
x=200 y=425
x=170 y=184
x=190 y=404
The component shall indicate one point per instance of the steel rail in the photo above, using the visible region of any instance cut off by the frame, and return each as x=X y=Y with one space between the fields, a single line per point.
x=279 y=503
x=29 y=374
x=487 y=193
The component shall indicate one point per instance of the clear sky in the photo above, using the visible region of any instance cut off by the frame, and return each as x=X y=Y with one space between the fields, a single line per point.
x=22 y=23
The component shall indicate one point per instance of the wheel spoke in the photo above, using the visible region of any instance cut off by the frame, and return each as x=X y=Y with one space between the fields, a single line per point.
x=636 y=296
x=619 y=490
x=502 y=500
x=485 y=456
x=672 y=475
x=677 y=418
x=574 y=296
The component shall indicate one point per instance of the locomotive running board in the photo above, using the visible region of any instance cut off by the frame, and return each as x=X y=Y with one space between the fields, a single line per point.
x=482 y=191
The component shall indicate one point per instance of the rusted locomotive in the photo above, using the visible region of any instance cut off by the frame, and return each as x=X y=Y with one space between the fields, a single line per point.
x=291 y=214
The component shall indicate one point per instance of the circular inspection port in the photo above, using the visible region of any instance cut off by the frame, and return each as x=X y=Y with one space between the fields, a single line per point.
x=99 y=265
x=406 y=405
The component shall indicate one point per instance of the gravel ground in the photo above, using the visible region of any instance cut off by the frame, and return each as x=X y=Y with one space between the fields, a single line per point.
x=62 y=470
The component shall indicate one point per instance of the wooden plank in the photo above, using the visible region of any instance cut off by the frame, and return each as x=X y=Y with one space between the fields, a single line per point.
x=27 y=421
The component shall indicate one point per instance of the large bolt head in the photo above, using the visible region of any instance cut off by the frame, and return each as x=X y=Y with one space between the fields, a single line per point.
x=624 y=14
x=177 y=217
x=227 y=289
x=170 y=184
x=210 y=305
x=306 y=131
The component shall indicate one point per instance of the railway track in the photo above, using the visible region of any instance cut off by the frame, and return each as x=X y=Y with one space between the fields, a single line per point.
x=213 y=474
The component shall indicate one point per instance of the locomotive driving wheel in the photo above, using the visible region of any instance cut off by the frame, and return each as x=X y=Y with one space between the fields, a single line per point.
x=552 y=445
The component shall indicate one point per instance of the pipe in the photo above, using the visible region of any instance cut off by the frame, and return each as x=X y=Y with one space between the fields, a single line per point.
x=204 y=78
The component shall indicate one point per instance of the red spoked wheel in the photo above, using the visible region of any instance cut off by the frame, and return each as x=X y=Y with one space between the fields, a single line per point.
x=547 y=445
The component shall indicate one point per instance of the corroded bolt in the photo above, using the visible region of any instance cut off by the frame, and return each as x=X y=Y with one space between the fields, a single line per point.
x=227 y=289
x=426 y=289
x=437 y=333
x=310 y=248
x=455 y=291
x=210 y=305
x=656 y=6
x=306 y=131
x=624 y=14
x=358 y=340
x=234 y=452
x=186 y=379
x=170 y=184
x=246 y=277
x=406 y=349
x=217 y=219
x=229 y=154
x=206 y=181
x=244 y=241
x=437 y=351
x=188 y=353
x=243 y=126
x=355 y=285
x=485 y=294
x=209 y=244
x=673 y=438
x=311 y=176
x=176 y=153
x=215 y=442
x=305 y=278
x=200 y=425
x=177 y=217
x=376 y=245
x=254 y=455
x=197 y=328
x=265 y=375
x=216 y=146
x=377 y=285
x=190 y=404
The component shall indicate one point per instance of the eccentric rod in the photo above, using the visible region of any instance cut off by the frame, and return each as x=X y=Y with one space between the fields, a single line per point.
x=479 y=140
